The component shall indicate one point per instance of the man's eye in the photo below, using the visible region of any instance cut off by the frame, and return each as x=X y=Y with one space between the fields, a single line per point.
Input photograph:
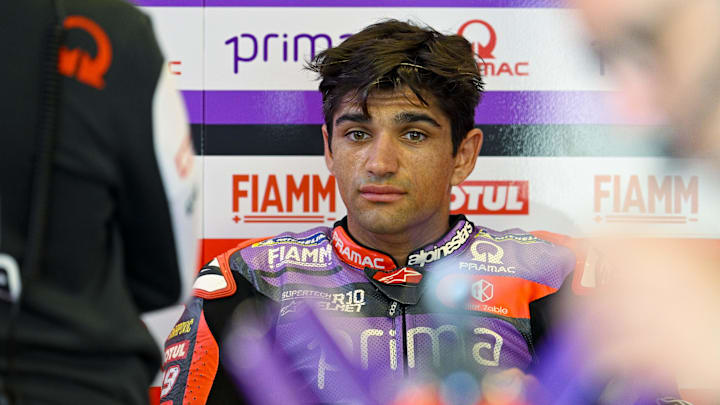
x=357 y=136
x=415 y=136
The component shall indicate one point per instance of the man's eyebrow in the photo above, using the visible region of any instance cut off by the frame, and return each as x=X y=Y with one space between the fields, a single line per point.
x=410 y=117
x=354 y=117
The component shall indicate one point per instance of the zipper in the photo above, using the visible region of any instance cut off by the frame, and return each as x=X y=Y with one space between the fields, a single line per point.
x=404 y=339
x=393 y=308
x=392 y=311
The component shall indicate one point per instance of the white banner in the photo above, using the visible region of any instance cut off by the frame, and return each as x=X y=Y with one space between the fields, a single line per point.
x=258 y=48
x=254 y=196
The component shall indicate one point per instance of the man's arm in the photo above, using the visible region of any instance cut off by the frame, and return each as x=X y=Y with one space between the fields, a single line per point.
x=193 y=365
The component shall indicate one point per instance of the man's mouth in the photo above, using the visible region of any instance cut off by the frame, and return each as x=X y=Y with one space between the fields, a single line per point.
x=381 y=193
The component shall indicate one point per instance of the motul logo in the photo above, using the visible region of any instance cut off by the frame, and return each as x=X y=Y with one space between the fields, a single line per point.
x=283 y=198
x=648 y=199
x=491 y=198
x=177 y=351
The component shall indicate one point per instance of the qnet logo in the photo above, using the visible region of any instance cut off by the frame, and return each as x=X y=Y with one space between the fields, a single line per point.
x=276 y=198
x=484 y=38
x=492 y=197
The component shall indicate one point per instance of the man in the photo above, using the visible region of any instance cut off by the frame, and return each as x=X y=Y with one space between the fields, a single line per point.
x=409 y=289
x=97 y=193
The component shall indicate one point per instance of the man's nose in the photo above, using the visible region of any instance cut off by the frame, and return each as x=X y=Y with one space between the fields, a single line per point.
x=382 y=156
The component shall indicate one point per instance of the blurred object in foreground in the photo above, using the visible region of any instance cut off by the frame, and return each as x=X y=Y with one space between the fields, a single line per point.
x=666 y=57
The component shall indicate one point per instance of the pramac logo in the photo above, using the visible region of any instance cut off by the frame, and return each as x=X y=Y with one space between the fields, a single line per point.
x=78 y=63
x=484 y=51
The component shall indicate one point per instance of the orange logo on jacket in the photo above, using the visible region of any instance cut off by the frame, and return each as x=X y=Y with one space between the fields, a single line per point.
x=78 y=63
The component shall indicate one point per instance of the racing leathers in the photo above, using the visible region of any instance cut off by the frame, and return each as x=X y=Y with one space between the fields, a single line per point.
x=466 y=298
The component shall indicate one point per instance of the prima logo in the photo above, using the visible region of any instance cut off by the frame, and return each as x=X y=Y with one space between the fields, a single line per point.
x=285 y=47
x=486 y=352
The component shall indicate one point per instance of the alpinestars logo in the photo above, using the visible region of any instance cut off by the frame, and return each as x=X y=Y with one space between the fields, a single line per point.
x=404 y=275
x=422 y=257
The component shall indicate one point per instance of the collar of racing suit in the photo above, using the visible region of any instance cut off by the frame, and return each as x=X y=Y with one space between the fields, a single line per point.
x=359 y=256
x=401 y=284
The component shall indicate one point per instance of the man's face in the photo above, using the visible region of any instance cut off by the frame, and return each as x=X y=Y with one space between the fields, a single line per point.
x=395 y=167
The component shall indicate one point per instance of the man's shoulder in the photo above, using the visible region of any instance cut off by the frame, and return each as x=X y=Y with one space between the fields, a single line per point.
x=539 y=256
x=263 y=258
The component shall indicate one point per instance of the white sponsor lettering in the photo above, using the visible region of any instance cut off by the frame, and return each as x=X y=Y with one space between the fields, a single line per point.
x=438 y=252
x=350 y=302
x=368 y=340
x=359 y=259
x=496 y=347
x=299 y=256
x=490 y=262
x=487 y=267
x=169 y=379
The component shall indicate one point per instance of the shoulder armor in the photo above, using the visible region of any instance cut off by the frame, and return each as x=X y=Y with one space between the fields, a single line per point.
x=590 y=267
x=215 y=279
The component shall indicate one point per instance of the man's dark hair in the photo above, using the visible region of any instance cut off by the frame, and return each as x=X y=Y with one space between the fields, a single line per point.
x=393 y=54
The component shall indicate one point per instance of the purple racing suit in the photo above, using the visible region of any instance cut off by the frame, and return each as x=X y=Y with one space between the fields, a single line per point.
x=466 y=300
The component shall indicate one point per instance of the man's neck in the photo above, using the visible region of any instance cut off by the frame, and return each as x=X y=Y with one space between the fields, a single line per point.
x=399 y=245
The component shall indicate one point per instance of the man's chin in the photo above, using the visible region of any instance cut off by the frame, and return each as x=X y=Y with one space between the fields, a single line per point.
x=381 y=221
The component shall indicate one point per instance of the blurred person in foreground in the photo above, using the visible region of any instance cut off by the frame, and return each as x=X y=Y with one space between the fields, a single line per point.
x=409 y=290
x=97 y=193
x=659 y=311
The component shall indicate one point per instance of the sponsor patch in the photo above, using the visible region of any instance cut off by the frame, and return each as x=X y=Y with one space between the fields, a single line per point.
x=175 y=352
x=312 y=240
x=358 y=256
x=350 y=301
x=519 y=238
x=181 y=328
x=299 y=256
x=403 y=275
x=423 y=257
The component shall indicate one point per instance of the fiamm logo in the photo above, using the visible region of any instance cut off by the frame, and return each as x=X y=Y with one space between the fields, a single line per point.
x=646 y=199
x=483 y=39
x=274 y=198
x=275 y=46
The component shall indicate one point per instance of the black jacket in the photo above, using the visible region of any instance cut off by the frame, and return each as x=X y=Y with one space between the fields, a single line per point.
x=122 y=182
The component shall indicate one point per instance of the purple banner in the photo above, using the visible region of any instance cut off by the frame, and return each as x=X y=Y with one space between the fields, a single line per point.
x=496 y=108
x=168 y=3
x=355 y=3
x=194 y=105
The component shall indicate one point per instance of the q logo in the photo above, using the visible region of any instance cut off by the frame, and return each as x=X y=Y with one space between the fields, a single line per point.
x=487 y=257
x=77 y=62
x=483 y=51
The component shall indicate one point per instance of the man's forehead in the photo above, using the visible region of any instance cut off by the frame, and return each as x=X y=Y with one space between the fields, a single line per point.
x=401 y=100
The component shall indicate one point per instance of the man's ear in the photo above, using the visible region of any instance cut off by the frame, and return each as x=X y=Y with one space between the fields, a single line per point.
x=328 y=153
x=466 y=156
